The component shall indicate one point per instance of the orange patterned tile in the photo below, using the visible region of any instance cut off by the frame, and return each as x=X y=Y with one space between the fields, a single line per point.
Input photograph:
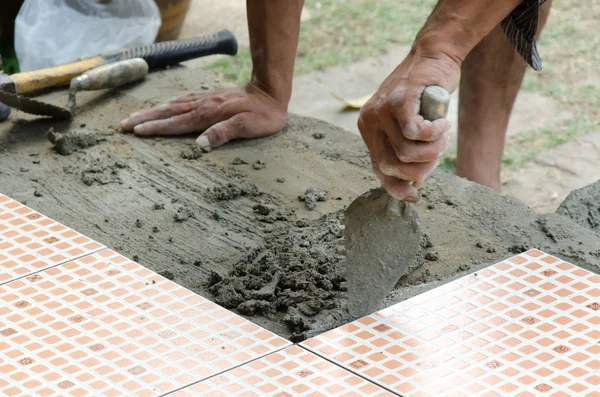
x=103 y=325
x=30 y=242
x=290 y=372
x=527 y=326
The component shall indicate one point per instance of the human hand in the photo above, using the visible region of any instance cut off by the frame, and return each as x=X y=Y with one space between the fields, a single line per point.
x=223 y=115
x=404 y=147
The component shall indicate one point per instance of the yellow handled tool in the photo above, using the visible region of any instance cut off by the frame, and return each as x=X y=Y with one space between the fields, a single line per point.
x=156 y=56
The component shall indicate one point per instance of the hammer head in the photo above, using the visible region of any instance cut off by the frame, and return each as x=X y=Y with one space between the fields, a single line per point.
x=6 y=84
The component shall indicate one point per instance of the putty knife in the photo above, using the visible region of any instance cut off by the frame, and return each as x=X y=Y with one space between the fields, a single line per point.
x=382 y=235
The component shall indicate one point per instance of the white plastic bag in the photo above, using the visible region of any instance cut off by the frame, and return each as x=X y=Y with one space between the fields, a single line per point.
x=52 y=32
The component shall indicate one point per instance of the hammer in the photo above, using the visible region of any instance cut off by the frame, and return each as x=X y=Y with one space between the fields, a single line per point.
x=157 y=55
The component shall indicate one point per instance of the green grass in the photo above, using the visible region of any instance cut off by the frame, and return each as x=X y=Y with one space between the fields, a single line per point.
x=570 y=51
x=340 y=32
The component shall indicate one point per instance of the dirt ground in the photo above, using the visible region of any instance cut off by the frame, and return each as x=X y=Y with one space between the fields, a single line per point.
x=230 y=226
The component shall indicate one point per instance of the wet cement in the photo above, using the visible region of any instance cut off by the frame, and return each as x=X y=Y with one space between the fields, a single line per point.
x=72 y=141
x=229 y=231
x=583 y=206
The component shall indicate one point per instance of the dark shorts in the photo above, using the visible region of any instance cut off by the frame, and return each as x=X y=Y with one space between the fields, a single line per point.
x=520 y=28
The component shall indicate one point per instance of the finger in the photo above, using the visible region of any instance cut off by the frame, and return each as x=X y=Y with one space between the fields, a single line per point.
x=241 y=125
x=409 y=151
x=397 y=188
x=191 y=97
x=194 y=121
x=223 y=132
x=389 y=164
x=420 y=151
x=404 y=106
x=419 y=129
x=158 y=112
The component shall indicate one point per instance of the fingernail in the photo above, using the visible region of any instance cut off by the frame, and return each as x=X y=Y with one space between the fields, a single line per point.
x=204 y=143
x=125 y=124
x=138 y=129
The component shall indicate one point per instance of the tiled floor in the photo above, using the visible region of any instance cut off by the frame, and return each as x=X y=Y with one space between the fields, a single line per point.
x=291 y=372
x=30 y=242
x=103 y=325
x=77 y=319
x=527 y=326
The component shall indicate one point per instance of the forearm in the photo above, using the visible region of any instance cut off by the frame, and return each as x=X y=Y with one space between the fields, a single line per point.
x=274 y=26
x=456 y=26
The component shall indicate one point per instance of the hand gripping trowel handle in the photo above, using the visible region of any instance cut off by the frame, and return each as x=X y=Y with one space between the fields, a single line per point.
x=382 y=235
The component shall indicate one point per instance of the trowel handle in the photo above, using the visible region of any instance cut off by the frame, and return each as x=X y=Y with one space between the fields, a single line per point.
x=111 y=75
x=434 y=103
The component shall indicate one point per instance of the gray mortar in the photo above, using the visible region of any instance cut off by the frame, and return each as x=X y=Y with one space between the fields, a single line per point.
x=193 y=152
x=583 y=206
x=72 y=141
x=312 y=196
x=293 y=276
x=468 y=226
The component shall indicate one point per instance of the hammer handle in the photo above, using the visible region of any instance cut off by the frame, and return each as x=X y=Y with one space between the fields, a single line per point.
x=156 y=55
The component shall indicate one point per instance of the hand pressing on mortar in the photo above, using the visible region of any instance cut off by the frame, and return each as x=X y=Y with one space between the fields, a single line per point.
x=226 y=114
x=256 y=110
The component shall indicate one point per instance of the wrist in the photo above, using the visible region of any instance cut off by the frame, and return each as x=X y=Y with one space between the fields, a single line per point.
x=455 y=27
x=278 y=88
x=440 y=40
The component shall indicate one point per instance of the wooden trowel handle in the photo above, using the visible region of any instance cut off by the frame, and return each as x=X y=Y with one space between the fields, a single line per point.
x=28 y=82
x=434 y=103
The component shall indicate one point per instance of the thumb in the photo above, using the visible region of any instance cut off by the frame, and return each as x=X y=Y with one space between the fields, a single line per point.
x=223 y=132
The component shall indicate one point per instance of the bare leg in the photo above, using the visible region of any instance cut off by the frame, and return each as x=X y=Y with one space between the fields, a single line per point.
x=491 y=76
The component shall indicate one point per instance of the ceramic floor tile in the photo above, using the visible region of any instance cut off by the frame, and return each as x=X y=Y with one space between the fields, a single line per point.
x=30 y=242
x=103 y=325
x=290 y=372
x=527 y=326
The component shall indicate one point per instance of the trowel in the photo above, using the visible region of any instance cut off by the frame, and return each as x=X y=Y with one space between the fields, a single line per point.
x=382 y=235
x=112 y=75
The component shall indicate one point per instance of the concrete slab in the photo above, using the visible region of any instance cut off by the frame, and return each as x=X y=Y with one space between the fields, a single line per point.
x=547 y=180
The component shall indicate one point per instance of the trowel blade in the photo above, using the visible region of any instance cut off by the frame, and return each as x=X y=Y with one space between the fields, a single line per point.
x=32 y=106
x=382 y=237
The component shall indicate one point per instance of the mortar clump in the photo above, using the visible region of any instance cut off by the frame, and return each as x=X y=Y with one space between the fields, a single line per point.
x=312 y=195
x=193 y=152
x=232 y=191
x=294 y=275
x=72 y=141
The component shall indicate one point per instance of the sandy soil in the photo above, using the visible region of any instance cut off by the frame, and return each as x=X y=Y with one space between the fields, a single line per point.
x=238 y=233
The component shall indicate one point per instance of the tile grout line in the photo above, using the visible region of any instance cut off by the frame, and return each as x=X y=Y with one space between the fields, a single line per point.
x=57 y=264
x=104 y=247
x=227 y=370
x=316 y=352
x=349 y=370
x=241 y=364
x=496 y=285
x=169 y=293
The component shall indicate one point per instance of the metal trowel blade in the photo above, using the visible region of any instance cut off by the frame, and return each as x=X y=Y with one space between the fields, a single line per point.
x=382 y=237
x=32 y=106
